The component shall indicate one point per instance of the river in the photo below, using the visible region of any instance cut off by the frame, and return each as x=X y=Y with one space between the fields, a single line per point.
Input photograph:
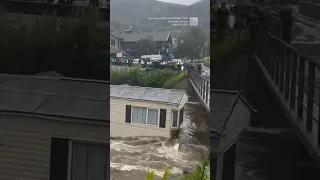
x=130 y=157
x=269 y=150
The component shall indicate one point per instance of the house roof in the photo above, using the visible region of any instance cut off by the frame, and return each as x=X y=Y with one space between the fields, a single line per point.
x=221 y=107
x=116 y=36
x=159 y=95
x=65 y=97
x=116 y=50
x=136 y=36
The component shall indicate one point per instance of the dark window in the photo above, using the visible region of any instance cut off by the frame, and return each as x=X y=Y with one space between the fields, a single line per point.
x=128 y=114
x=113 y=42
x=181 y=116
x=163 y=114
x=88 y=161
x=59 y=159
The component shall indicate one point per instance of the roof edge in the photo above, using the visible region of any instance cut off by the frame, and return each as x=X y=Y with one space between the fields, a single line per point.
x=132 y=99
x=55 y=117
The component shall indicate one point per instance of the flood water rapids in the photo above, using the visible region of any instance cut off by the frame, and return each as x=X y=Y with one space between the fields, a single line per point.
x=130 y=158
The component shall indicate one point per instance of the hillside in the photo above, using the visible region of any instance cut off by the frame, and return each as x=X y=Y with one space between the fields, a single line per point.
x=136 y=12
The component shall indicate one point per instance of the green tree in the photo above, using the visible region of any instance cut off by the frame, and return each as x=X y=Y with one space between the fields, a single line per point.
x=73 y=46
x=191 y=43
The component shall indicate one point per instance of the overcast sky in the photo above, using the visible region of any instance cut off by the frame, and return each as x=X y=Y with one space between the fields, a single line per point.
x=184 y=2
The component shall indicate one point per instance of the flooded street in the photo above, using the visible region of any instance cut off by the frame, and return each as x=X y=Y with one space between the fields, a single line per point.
x=130 y=157
x=269 y=150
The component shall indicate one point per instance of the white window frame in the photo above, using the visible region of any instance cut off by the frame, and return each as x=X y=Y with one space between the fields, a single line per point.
x=158 y=109
x=178 y=119
x=71 y=141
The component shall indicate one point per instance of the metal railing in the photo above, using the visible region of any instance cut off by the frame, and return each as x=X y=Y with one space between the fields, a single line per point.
x=294 y=77
x=202 y=86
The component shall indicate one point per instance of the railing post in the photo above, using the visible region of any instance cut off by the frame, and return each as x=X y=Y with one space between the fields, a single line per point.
x=282 y=62
x=301 y=87
x=311 y=86
x=277 y=70
x=205 y=91
x=208 y=91
x=293 y=81
x=288 y=61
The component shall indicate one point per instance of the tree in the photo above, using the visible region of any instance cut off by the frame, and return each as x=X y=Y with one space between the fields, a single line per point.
x=73 y=47
x=191 y=43
x=146 y=46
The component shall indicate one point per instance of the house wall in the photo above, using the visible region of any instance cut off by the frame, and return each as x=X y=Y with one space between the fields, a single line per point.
x=119 y=128
x=117 y=45
x=25 y=143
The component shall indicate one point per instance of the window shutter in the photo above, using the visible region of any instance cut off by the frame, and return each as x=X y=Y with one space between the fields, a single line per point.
x=59 y=159
x=128 y=114
x=214 y=166
x=181 y=116
x=163 y=114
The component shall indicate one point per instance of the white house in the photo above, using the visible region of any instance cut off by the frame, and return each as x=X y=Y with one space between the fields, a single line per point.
x=145 y=111
x=115 y=40
x=49 y=125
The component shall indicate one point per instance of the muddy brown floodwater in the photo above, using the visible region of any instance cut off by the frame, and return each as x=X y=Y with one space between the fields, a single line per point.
x=269 y=149
x=130 y=157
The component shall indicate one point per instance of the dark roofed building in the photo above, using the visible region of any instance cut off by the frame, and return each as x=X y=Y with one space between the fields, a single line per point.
x=163 y=40
x=48 y=121
x=230 y=116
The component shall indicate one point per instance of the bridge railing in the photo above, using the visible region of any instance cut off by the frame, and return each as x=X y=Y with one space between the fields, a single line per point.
x=294 y=77
x=202 y=87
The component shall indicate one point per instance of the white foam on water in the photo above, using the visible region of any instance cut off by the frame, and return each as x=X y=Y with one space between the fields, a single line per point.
x=157 y=172
x=176 y=147
x=177 y=156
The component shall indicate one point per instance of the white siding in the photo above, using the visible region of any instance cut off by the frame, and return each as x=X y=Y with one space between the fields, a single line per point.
x=25 y=144
x=119 y=128
x=183 y=101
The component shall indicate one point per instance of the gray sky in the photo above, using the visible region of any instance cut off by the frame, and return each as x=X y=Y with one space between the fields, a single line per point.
x=184 y=2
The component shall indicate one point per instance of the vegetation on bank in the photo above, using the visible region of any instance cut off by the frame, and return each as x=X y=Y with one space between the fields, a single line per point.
x=229 y=46
x=72 y=46
x=200 y=173
x=136 y=77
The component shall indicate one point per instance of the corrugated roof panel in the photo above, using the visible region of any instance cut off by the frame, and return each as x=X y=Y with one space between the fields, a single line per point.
x=171 y=96
x=54 y=96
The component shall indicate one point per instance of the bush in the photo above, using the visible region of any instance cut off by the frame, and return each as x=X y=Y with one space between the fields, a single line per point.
x=74 y=47
x=175 y=79
x=229 y=46
x=136 y=77
x=200 y=173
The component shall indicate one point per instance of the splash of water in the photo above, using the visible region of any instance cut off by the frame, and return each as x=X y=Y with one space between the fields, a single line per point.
x=140 y=153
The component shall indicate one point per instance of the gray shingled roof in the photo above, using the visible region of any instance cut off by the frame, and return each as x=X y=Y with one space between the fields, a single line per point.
x=136 y=36
x=221 y=106
x=64 y=97
x=169 y=96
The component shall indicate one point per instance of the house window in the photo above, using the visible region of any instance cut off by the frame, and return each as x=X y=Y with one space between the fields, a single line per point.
x=175 y=118
x=113 y=42
x=145 y=115
x=89 y=162
x=71 y=160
